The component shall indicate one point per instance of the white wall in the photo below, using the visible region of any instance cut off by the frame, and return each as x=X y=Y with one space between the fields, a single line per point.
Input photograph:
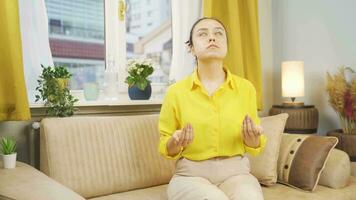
x=322 y=33
x=265 y=23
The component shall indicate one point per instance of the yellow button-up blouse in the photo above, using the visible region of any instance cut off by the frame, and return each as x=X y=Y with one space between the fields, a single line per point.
x=216 y=119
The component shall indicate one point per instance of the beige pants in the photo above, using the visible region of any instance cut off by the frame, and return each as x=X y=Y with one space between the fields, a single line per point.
x=214 y=179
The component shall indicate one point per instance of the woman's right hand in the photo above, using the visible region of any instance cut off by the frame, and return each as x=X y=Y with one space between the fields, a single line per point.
x=183 y=137
x=180 y=138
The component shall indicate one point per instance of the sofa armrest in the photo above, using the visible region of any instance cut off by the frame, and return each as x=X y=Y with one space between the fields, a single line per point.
x=27 y=183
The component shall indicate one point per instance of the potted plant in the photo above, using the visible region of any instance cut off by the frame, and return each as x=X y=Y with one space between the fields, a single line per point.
x=8 y=148
x=54 y=91
x=341 y=89
x=139 y=85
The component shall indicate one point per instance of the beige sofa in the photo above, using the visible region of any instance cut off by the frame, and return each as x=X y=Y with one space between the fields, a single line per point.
x=113 y=158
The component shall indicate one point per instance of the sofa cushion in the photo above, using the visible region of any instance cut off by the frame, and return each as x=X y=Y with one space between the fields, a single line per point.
x=275 y=192
x=151 y=193
x=97 y=156
x=302 y=159
x=337 y=171
x=283 y=192
x=264 y=166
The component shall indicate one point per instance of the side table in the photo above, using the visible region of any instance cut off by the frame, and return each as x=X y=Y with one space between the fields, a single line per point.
x=346 y=142
x=353 y=168
x=302 y=119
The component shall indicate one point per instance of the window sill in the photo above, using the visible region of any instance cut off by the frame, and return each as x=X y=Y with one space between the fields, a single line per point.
x=122 y=99
x=127 y=102
x=105 y=107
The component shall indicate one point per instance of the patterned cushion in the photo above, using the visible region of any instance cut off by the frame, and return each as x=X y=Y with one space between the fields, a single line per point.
x=302 y=159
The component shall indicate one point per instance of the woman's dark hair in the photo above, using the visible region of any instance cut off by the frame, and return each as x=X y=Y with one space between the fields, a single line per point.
x=190 y=41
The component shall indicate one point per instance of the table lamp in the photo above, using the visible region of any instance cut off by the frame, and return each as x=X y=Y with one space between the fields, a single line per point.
x=303 y=119
x=293 y=82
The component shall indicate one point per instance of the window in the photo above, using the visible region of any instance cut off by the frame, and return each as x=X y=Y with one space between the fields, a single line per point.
x=78 y=30
x=137 y=16
x=76 y=36
x=151 y=38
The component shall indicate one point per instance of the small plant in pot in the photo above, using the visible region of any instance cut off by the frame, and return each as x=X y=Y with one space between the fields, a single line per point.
x=54 y=91
x=341 y=88
x=139 y=85
x=8 y=148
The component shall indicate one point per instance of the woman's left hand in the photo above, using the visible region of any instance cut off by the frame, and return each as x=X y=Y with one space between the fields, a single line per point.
x=251 y=132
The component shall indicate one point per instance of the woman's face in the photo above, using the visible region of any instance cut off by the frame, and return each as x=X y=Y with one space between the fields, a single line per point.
x=209 y=40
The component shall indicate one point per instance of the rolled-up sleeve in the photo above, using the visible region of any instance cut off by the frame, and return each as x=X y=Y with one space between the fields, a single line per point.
x=168 y=123
x=254 y=115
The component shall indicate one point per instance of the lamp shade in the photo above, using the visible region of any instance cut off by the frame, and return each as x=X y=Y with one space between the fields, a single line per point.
x=293 y=79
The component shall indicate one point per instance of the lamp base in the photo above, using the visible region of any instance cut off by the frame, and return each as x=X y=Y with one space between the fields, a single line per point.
x=293 y=103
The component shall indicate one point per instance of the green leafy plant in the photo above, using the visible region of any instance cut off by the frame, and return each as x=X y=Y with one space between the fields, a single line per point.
x=53 y=89
x=8 y=146
x=139 y=70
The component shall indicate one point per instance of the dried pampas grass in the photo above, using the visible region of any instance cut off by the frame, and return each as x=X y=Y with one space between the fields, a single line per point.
x=340 y=91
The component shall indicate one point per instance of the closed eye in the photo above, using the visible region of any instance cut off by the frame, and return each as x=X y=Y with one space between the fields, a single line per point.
x=218 y=33
x=202 y=34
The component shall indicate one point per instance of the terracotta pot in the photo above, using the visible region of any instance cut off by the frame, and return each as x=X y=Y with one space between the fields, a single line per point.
x=347 y=142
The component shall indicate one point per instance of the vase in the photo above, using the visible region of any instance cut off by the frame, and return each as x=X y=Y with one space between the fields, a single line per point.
x=111 y=85
x=136 y=94
x=91 y=91
x=9 y=161
x=346 y=142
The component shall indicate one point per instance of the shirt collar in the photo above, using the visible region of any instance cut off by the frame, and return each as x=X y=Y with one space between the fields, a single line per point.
x=196 y=82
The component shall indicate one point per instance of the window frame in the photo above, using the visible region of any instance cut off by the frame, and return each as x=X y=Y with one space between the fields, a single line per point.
x=115 y=52
x=115 y=32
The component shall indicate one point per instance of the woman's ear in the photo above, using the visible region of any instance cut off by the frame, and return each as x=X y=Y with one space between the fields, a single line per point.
x=191 y=50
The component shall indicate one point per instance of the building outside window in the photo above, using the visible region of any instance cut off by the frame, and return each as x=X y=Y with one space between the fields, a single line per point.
x=77 y=37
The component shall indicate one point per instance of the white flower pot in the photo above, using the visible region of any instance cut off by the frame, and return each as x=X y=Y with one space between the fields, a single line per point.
x=9 y=161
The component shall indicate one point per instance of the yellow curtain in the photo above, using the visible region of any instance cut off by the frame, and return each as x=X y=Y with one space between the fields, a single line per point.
x=13 y=96
x=240 y=18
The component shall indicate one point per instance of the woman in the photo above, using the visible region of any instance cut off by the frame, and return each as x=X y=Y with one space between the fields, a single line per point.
x=209 y=121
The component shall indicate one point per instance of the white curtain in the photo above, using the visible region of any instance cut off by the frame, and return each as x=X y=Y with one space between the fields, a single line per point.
x=184 y=14
x=35 y=42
